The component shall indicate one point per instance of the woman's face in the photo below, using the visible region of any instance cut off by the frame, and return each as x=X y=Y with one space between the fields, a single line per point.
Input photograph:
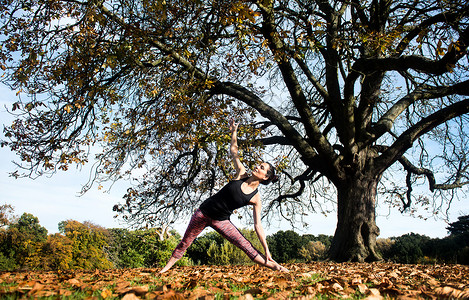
x=261 y=170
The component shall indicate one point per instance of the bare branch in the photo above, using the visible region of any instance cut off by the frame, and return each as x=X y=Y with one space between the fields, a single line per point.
x=278 y=47
x=307 y=175
x=275 y=140
x=386 y=122
x=406 y=139
x=319 y=87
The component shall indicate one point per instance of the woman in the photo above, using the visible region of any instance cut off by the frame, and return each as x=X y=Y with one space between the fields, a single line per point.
x=216 y=210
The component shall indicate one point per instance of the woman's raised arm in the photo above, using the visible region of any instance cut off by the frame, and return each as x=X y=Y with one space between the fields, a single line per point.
x=240 y=170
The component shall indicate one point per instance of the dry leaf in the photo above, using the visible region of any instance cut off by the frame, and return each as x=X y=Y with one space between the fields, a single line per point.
x=253 y=291
x=306 y=275
x=139 y=290
x=374 y=292
x=450 y=292
x=362 y=288
x=106 y=293
x=246 y=297
x=337 y=287
x=75 y=282
x=130 y=297
x=36 y=288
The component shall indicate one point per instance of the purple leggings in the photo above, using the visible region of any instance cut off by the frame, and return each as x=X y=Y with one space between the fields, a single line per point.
x=199 y=221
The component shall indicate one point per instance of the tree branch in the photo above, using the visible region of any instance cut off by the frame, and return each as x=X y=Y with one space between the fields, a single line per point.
x=446 y=17
x=250 y=99
x=241 y=93
x=276 y=140
x=321 y=90
x=386 y=122
x=305 y=176
x=342 y=112
x=417 y=63
x=358 y=6
x=279 y=50
x=412 y=169
x=406 y=139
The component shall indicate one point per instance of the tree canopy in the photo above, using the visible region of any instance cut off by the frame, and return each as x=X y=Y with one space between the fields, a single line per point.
x=340 y=91
x=461 y=226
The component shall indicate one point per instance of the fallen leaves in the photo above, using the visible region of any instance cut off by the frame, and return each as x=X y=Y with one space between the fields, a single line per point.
x=450 y=292
x=305 y=281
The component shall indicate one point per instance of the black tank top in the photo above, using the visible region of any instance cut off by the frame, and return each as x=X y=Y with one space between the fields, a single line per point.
x=221 y=205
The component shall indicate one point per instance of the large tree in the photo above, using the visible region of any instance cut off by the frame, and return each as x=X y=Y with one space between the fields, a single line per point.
x=340 y=91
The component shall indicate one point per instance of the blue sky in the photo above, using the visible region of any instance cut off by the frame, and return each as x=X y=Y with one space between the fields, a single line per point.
x=56 y=199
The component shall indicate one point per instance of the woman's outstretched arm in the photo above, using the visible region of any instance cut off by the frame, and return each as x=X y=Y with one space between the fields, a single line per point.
x=256 y=201
x=240 y=170
x=266 y=259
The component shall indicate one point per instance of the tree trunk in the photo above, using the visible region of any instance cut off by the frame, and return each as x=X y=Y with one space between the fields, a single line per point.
x=356 y=232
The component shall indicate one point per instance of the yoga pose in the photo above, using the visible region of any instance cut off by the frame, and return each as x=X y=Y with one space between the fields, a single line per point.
x=216 y=210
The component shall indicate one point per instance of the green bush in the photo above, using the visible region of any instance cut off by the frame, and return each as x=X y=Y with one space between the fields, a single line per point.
x=213 y=249
x=7 y=263
x=142 y=248
x=199 y=248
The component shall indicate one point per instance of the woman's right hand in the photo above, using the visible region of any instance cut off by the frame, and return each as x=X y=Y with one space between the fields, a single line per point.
x=233 y=125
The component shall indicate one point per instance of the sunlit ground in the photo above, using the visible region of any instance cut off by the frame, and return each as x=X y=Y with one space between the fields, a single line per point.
x=305 y=281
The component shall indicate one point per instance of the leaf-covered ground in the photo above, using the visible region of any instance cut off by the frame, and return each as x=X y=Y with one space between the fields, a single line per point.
x=305 y=281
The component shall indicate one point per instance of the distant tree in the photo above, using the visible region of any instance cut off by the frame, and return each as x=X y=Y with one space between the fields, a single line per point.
x=57 y=253
x=212 y=249
x=219 y=254
x=384 y=246
x=409 y=248
x=326 y=240
x=29 y=226
x=6 y=215
x=463 y=256
x=459 y=235
x=222 y=252
x=313 y=251
x=7 y=255
x=160 y=249
x=88 y=242
x=442 y=250
x=461 y=226
x=26 y=238
x=118 y=242
x=198 y=250
x=285 y=246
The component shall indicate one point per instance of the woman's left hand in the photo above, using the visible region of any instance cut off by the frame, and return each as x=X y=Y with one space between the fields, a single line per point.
x=268 y=256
